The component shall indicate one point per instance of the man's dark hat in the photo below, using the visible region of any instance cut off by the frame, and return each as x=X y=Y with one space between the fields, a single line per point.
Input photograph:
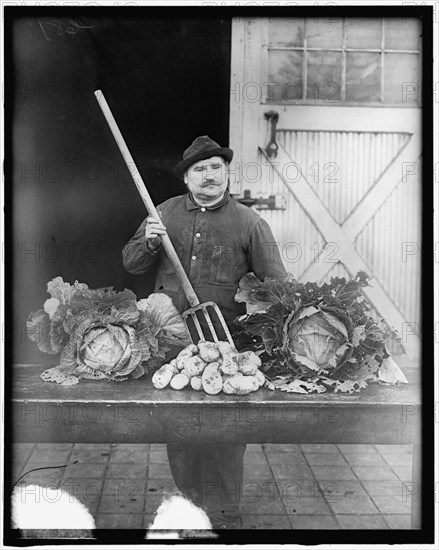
x=202 y=148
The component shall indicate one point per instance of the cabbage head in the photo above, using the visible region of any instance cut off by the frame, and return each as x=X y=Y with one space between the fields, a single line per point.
x=318 y=339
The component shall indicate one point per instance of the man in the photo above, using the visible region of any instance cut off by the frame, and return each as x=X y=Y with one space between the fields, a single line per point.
x=218 y=241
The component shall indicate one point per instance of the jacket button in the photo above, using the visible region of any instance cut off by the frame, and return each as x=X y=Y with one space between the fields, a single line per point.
x=203 y=209
x=194 y=257
x=198 y=234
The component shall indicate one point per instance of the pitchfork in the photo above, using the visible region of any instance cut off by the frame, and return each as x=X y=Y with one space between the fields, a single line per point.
x=167 y=244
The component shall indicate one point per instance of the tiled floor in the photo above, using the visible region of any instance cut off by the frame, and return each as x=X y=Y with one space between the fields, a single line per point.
x=285 y=486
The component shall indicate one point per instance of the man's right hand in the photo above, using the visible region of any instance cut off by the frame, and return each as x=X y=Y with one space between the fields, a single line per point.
x=154 y=228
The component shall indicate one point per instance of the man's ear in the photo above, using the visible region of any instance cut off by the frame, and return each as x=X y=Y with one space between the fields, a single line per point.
x=185 y=177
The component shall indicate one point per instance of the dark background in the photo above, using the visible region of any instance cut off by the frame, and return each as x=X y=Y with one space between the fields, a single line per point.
x=74 y=204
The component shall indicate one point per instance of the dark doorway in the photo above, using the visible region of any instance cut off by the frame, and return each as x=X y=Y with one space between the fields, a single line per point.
x=167 y=80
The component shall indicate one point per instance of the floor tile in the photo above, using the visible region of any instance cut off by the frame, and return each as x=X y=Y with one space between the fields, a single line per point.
x=123 y=486
x=41 y=476
x=129 y=456
x=21 y=451
x=384 y=488
x=119 y=521
x=253 y=521
x=394 y=449
x=141 y=447
x=127 y=471
x=403 y=472
x=373 y=472
x=257 y=458
x=159 y=470
x=292 y=472
x=352 y=505
x=162 y=486
x=254 y=448
x=313 y=522
x=54 y=446
x=158 y=457
x=356 y=449
x=54 y=456
x=393 y=504
x=85 y=470
x=307 y=505
x=157 y=447
x=403 y=459
x=94 y=446
x=152 y=503
x=91 y=453
x=281 y=448
x=299 y=488
x=333 y=472
x=90 y=489
x=110 y=504
x=255 y=472
x=361 y=522
x=325 y=459
x=262 y=505
x=401 y=521
x=286 y=458
x=319 y=448
x=341 y=488
x=367 y=459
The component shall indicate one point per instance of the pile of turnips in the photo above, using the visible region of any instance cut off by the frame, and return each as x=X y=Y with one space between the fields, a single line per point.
x=212 y=367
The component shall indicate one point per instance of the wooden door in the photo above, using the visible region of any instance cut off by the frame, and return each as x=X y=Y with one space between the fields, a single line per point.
x=349 y=170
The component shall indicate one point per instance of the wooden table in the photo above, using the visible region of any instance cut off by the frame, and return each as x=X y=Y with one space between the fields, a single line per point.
x=135 y=412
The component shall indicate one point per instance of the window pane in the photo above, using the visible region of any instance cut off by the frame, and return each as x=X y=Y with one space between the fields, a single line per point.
x=324 y=33
x=401 y=78
x=363 y=76
x=324 y=76
x=363 y=33
x=285 y=76
x=402 y=34
x=286 y=33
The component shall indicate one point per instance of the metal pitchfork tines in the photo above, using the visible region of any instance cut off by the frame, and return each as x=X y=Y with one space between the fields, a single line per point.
x=167 y=244
x=192 y=313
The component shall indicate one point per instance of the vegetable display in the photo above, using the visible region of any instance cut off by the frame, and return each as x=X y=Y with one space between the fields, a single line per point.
x=212 y=367
x=317 y=337
x=103 y=334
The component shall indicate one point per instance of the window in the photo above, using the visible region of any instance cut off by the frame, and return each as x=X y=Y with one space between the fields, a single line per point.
x=351 y=61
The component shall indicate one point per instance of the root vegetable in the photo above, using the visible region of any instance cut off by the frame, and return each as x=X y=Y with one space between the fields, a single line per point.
x=248 y=362
x=162 y=377
x=260 y=377
x=208 y=351
x=227 y=350
x=179 y=381
x=211 y=379
x=196 y=383
x=229 y=365
x=184 y=355
x=240 y=385
x=194 y=366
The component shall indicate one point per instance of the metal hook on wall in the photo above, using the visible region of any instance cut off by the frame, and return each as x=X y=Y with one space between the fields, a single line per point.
x=272 y=147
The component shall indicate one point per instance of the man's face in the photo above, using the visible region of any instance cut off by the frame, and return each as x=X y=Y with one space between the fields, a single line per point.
x=207 y=179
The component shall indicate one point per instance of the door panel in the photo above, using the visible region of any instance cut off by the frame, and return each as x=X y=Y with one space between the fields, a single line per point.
x=351 y=179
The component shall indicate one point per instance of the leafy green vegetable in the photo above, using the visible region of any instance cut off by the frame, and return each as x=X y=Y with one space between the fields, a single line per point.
x=104 y=334
x=317 y=337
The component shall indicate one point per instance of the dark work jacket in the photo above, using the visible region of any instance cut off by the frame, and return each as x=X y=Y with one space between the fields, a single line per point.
x=217 y=245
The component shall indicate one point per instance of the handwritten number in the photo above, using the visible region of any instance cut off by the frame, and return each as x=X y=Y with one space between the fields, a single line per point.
x=56 y=23
x=71 y=28
x=44 y=32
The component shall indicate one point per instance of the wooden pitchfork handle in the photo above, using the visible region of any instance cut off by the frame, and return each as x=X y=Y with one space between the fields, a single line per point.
x=170 y=250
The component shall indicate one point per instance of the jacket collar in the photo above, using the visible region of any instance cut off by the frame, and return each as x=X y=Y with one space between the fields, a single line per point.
x=191 y=204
